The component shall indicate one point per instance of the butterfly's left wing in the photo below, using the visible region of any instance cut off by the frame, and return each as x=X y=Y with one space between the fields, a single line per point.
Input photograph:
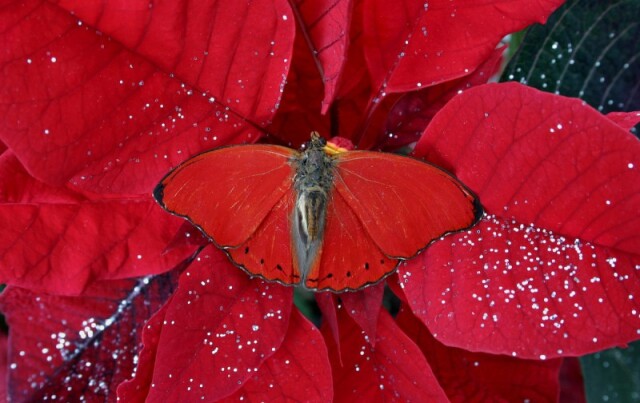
x=242 y=197
x=403 y=204
x=267 y=253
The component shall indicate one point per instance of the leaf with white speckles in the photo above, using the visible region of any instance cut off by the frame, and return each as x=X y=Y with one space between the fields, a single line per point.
x=553 y=267
x=364 y=307
x=218 y=330
x=81 y=347
x=59 y=240
x=412 y=112
x=298 y=371
x=136 y=389
x=393 y=370
x=415 y=44
x=111 y=96
x=299 y=111
x=467 y=376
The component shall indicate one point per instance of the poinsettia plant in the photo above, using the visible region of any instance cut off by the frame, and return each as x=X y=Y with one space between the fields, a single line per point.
x=111 y=297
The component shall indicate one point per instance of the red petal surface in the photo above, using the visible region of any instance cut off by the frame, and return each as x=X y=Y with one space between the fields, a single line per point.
x=325 y=301
x=355 y=67
x=187 y=235
x=393 y=370
x=411 y=114
x=553 y=268
x=78 y=348
x=4 y=367
x=219 y=328
x=480 y=377
x=364 y=307
x=241 y=64
x=298 y=371
x=111 y=97
x=394 y=285
x=59 y=240
x=137 y=388
x=571 y=382
x=325 y=27
x=299 y=113
x=624 y=119
x=413 y=44
x=349 y=111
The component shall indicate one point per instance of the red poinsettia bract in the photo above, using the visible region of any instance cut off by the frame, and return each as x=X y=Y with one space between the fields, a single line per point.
x=98 y=106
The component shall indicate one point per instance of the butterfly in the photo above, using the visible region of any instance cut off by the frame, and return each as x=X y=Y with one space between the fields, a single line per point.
x=322 y=217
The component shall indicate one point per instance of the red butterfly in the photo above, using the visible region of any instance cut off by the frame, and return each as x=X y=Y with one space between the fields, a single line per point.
x=325 y=217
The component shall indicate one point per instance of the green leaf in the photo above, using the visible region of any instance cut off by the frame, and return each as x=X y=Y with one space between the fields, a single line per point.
x=613 y=375
x=306 y=303
x=514 y=41
x=587 y=49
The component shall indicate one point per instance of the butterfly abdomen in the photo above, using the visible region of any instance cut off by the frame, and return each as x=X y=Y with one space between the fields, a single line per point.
x=310 y=208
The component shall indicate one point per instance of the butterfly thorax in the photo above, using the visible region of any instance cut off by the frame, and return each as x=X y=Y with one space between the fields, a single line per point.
x=314 y=175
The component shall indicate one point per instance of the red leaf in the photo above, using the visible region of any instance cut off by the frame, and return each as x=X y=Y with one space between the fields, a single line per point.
x=416 y=44
x=242 y=64
x=4 y=367
x=299 y=113
x=18 y=187
x=112 y=100
x=467 y=376
x=394 y=285
x=411 y=114
x=369 y=115
x=59 y=240
x=571 y=382
x=298 y=371
x=552 y=269
x=325 y=301
x=350 y=114
x=325 y=26
x=219 y=328
x=75 y=348
x=625 y=120
x=393 y=370
x=355 y=74
x=364 y=307
x=349 y=109
x=187 y=236
x=137 y=389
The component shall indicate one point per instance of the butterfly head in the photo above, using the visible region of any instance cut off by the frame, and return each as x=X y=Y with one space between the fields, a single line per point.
x=334 y=146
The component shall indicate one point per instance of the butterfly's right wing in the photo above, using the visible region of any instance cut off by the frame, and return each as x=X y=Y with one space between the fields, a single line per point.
x=384 y=208
x=404 y=204
x=349 y=259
